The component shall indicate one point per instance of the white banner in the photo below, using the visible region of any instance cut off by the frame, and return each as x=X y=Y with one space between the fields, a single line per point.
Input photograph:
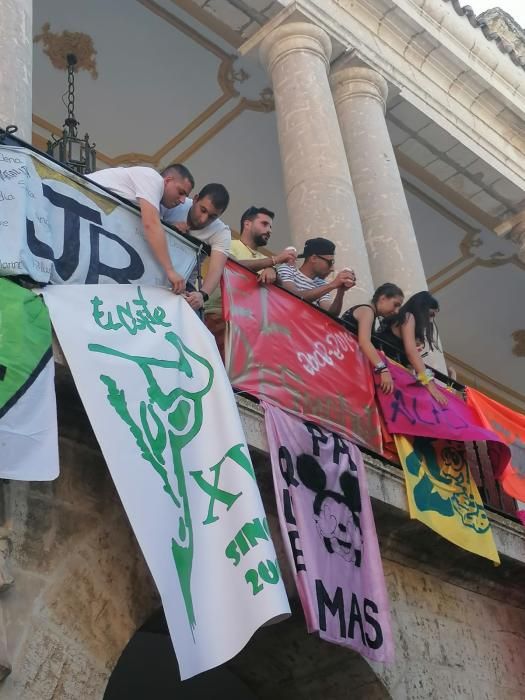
x=162 y=408
x=58 y=227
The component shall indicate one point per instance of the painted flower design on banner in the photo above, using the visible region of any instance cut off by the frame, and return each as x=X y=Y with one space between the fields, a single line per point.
x=444 y=482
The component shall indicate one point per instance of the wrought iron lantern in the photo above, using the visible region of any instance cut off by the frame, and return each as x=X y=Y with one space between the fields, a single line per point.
x=74 y=152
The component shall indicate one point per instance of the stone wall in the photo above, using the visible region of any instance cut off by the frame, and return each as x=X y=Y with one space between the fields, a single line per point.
x=80 y=587
x=451 y=642
x=74 y=589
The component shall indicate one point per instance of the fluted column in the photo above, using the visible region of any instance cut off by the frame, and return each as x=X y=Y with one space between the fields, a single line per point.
x=360 y=96
x=16 y=65
x=319 y=194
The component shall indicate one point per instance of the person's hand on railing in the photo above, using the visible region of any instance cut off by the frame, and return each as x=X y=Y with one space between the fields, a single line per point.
x=178 y=283
x=437 y=394
x=195 y=300
x=182 y=226
x=267 y=276
x=386 y=382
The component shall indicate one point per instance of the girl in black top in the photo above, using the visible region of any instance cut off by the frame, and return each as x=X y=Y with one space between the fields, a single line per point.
x=361 y=320
x=411 y=327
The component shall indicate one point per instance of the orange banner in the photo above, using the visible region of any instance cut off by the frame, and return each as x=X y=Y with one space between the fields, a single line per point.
x=510 y=427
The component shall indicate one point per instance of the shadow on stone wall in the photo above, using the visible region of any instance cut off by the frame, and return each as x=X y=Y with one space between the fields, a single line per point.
x=281 y=662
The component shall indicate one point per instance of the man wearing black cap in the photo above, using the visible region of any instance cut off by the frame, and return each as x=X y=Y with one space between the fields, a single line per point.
x=309 y=282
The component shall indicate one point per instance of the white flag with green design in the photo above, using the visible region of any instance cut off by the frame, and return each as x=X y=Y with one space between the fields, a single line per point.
x=156 y=392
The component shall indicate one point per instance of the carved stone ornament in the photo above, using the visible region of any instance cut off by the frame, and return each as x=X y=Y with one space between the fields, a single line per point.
x=58 y=46
x=514 y=228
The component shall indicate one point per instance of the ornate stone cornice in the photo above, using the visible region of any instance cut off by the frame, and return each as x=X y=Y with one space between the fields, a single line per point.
x=440 y=64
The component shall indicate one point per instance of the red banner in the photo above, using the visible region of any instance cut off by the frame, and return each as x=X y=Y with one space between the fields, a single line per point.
x=510 y=428
x=295 y=357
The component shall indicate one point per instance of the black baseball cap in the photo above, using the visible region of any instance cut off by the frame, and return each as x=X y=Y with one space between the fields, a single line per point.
x=317 y=246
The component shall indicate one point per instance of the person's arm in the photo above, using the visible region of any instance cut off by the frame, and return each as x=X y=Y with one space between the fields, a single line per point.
x=345 y=280
x=286 y=256
x=365 y=325
x=408 y=336
x=156 y=238
x=258 y=264
x=309 y=295
x=334 y=306
x=215 y=269
x=267 y=276
x=213 y=277
x=285 y=280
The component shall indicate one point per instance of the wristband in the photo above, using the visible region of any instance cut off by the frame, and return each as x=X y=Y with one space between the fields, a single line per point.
x=380 y=367
x=425 y=377
x=205 y=296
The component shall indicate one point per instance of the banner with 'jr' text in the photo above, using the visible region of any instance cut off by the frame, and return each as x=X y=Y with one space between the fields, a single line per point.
x=61 y=228
x=161 y=406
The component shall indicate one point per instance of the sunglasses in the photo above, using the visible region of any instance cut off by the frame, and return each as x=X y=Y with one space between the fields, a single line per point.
x=330 y=261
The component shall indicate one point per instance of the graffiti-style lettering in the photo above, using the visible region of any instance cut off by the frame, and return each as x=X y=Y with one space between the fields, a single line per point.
x=317 y=437
x=335 y=607
x=132 y=319
x=247 y=538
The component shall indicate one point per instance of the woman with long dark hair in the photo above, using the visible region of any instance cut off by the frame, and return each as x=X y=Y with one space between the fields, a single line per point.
x=361 y=319
x=412 y=327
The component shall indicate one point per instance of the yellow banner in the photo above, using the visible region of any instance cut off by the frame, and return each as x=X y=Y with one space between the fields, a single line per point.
x=442 y=494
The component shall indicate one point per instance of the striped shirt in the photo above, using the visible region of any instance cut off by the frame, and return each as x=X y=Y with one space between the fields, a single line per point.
x=289 y=273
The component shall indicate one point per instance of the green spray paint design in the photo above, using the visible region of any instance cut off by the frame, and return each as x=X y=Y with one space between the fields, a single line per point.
x=180 y=404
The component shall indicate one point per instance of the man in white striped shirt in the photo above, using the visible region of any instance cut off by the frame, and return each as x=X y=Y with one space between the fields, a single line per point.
x=309 y=282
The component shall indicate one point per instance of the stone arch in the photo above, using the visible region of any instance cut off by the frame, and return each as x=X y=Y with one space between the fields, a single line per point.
x=280 y=662
x=80 y=584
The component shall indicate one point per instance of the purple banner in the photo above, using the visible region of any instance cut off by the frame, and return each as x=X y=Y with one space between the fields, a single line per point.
x=411 y=410
x=329 y=532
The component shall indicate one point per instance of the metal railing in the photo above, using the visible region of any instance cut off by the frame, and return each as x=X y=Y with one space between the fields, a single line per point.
x=493 y=496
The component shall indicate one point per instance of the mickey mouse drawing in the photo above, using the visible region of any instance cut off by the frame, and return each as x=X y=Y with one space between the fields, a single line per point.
x=337 y=515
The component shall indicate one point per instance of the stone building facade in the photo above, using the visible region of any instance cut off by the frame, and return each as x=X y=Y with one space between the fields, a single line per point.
x=74 y=588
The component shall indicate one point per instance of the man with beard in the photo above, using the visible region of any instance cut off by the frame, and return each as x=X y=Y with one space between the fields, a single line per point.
x=256 y=229
x=200 y=218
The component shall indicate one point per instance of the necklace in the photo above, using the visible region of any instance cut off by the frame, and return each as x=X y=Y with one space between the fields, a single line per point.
x=253 y=253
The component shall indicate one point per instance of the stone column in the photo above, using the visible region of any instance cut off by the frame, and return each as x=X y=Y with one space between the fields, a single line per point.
x=319 y=193
x=16 y=65
x=360 y=99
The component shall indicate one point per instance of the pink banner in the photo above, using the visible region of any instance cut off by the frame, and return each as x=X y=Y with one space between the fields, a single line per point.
x=411 y=410
x=329 y=532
